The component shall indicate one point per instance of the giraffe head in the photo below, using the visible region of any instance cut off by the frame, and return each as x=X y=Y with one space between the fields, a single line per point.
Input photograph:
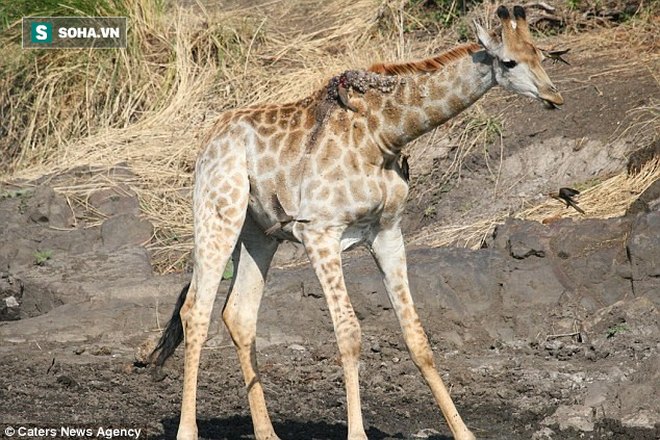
x=516 y=60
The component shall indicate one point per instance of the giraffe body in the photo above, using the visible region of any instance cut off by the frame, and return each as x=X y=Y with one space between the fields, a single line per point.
x=324 y=171
x=344 y=169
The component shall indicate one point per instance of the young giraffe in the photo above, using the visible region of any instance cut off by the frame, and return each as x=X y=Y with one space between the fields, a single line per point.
x=324 y=172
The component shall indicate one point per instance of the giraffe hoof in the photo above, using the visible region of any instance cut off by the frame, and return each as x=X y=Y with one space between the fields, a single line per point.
x=272 y=436
x=186 y=434
x=467 y=436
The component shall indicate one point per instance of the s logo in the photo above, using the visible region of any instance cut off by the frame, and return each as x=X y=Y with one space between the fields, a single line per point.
x=41 y=33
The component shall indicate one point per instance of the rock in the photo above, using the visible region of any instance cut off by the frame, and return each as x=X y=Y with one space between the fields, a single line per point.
x=74 y=241
x=647 y=201
x=125 y=229
x=45 y=206
x=120 y=199
x=637 y=317
x=287 y=253
x=426 y=433
x=520 y=238
x=458 y=280
x=71 y=278
x=645 y=419
x=11 y=296
x=643 y=246
x=584 y=256
x=640 y=157
x=577 y=417
x=218 y=336
x=523 y=245
x=124 y=312
x=597 y=394
x=544 y=433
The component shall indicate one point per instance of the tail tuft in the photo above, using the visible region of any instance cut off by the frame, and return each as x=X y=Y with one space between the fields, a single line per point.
x=173 y=334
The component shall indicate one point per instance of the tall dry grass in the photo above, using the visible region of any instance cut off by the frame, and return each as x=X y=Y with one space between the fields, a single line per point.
x=52 y=98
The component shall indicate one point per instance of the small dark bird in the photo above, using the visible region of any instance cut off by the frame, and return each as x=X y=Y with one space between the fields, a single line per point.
x=405 y=168
x=556 y=55
x=567 y=194
x=342 y=92
x=282 y=217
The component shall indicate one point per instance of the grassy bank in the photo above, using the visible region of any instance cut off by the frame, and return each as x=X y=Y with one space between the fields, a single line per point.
x=54 y=97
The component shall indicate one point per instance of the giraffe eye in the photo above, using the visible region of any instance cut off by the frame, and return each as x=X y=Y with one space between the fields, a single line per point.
x=509 y=64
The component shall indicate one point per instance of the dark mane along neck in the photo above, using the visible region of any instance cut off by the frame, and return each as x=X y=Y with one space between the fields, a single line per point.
x=427 y=65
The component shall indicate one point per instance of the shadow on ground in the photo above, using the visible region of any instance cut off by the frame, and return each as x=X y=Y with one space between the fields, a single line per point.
x=240 y=427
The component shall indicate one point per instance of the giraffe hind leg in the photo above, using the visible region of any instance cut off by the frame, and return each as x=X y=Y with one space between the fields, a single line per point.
x=220 y=202
x=252 y=258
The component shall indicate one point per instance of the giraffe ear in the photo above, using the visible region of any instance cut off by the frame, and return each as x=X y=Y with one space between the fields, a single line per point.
x=486 y=41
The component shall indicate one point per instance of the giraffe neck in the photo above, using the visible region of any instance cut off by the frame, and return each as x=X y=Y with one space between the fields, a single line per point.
x=424 y=101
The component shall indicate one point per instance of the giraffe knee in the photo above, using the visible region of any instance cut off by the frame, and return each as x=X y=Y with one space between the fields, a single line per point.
x=229 y=318
x=421 y=353
x=240 y=330
x=349 y=336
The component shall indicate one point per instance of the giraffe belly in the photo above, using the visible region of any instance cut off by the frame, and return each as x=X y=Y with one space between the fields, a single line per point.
x=356 y=235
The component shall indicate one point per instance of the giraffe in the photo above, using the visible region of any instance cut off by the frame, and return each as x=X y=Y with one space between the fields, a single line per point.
x=325 y=172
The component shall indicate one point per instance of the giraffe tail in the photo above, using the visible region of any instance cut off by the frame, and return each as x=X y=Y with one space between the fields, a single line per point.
x=173 y=334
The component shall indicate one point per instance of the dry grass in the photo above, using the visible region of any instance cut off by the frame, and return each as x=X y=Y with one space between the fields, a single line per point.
x=208 y=62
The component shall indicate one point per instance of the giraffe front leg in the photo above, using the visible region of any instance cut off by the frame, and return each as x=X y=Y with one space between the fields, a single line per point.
x=324 y=251
x=390 y=255
x=252 y=258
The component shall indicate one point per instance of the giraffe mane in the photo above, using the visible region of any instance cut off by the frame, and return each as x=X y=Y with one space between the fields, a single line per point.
x=427 y=65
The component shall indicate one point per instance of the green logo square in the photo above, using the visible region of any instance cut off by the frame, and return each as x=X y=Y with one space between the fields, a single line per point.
x=41 y=33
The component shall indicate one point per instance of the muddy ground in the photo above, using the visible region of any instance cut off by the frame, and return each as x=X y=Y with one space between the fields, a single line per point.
x=548 y=332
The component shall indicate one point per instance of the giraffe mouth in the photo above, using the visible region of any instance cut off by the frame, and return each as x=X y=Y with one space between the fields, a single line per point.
x=552 y=100
x=551 y=105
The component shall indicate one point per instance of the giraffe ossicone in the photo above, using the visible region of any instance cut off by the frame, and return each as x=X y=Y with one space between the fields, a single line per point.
x=328 y=172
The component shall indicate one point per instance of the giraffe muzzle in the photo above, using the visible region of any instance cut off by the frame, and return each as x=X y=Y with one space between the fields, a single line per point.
x=552 y=99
